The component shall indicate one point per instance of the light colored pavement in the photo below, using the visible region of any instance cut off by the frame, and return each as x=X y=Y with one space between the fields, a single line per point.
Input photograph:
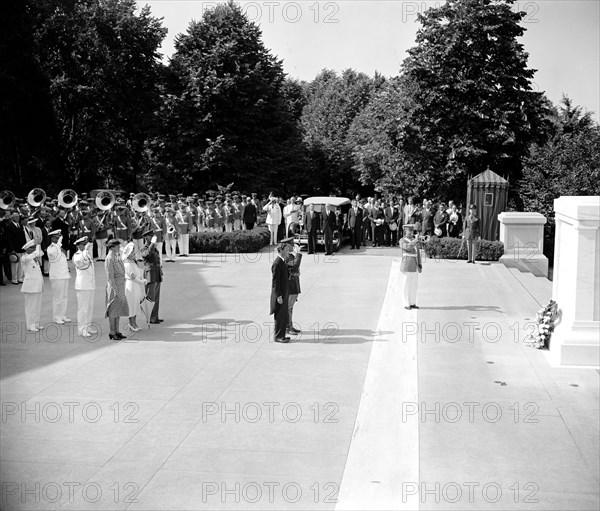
x=205 y=412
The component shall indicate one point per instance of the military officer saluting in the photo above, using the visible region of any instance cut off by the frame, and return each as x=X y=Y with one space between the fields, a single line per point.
x=85 y=285
x=33 y=285
x=59 y=277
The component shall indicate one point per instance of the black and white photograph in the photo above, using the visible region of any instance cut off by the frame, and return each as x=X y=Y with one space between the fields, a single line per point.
x=300 y=255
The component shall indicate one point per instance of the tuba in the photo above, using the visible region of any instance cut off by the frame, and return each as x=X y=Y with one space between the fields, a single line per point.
x=141 y=202
x=7 y=199
x=36 y=197
x=105 y=200
x=67 y=198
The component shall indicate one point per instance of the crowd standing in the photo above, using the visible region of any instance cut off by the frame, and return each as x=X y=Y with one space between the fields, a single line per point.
x=37 y=240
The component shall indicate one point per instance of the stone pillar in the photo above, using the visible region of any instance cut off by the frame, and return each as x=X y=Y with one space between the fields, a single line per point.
x=523 y=237
x=576 y=281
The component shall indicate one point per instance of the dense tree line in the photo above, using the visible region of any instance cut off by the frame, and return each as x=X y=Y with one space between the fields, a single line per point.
x=86 y=102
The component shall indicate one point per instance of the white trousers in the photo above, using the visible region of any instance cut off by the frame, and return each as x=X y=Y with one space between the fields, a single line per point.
x=33 y=309
x=228 y=227
x=170 y=245
x=184 y=244
x=60 y=298
x=85 y=310
x=16 y=270
x=411 y=281
x=101 y=248
x=237 y=225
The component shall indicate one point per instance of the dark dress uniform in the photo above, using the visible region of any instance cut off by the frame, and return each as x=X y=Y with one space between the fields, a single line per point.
x=279 y=288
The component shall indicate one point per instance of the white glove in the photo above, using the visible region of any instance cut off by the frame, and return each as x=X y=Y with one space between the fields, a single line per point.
x=296 y=248
x=154 y=239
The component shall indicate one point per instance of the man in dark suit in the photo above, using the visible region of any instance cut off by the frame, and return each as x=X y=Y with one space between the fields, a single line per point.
x=329 y=225
x=15 y=237
x=391 y=224
x=355 y=224
x=312 y=225
x=377 y=219
x=280 y=292
x=152 y=273
x=249 y=215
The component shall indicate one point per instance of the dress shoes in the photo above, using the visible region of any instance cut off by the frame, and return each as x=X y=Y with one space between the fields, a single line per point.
x=284 y=340
x=408 y=307
x=85 y=334
x=294 y=330
x=93 y=332
x=160 y=320
x=66 y=320
x=155 y=322
x=414 y=307
x=59 y=321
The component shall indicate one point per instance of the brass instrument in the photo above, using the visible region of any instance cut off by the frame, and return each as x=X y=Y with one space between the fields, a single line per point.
x=7 y=199
x=36 y=197
x=67 y=198
x=141 y=202
x=105 y=200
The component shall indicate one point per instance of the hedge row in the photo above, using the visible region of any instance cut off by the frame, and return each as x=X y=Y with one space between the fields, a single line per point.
x=456 y=248
x=229 y=242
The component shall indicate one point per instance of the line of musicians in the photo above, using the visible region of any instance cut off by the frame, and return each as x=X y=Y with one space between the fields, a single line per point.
x=124 y=219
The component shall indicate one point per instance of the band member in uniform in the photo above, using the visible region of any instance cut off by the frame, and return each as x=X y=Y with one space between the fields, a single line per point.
x=59 y=278
x=410 y=266
x=472 y=233
x=293 y=262
x=85 y=284
x=122 y=226
x=157 y=224
x=101 y=222
x=170 y=233
x=279 y=292
x=33 y=285
x=116 y=301
x=186 y=224
x=152 y=273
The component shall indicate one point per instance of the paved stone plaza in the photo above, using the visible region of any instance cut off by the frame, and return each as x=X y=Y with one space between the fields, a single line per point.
x=371 y=407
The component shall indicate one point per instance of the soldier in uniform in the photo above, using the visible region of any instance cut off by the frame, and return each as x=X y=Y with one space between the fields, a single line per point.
x=59 y=278
x=186 y=224
x=472 y=233
x=152 y=273
x=85 y=285
x=410 y=266
x=33 y=284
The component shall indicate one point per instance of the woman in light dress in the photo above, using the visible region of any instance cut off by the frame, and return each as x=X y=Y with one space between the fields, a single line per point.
x=135 y=285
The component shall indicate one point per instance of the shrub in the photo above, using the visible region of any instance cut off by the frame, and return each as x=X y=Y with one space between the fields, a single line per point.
x=456 y=248
x=229 y=242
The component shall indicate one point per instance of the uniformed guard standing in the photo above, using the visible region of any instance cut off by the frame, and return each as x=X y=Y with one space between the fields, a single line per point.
x=410 y=266
x=33 y=285
x=59 y=278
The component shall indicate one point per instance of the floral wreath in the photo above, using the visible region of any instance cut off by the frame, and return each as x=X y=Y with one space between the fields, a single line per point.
x=547 y=318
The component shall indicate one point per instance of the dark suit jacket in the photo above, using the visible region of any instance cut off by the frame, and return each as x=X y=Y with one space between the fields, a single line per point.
x=57 y=223
x=355 y=219
x=312 y=223
x=279 y=282
x=15 y=237
x=249 y=213
x=329 y=221
x=293 y=264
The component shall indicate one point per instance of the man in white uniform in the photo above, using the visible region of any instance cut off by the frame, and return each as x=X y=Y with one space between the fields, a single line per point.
x=33 y=285
x=85 y=285
x=59 y=278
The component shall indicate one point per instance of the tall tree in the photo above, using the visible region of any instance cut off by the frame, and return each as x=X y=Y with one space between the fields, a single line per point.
x=332 y=104
x=224 y=117
x=28 y=136
x=471 y=101
x=101 y=57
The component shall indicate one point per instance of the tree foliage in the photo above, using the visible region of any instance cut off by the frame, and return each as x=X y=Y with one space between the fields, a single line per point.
x=102 y=62
x=224 y=116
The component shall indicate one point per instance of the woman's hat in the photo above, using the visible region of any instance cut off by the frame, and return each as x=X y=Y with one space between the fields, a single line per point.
x=112 y=243
x=128 y=250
